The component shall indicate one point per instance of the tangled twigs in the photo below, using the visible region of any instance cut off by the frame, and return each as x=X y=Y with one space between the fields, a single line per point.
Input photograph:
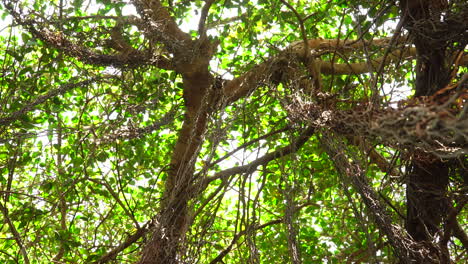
x=430 y=125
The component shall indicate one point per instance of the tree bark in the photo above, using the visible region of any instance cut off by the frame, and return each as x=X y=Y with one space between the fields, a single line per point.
x=171 y=222
x=428 y=177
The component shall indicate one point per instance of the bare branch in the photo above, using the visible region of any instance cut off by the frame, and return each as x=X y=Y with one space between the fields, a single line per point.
x=225 y=21
x=248 y=144
x=405 y=248
x=222 y=254
x=301 y=26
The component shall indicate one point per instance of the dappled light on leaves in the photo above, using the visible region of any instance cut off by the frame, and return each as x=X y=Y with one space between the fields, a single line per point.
x=233 y=131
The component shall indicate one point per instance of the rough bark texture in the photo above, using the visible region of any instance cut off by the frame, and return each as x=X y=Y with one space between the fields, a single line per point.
x=428 y=178
x=171 y=224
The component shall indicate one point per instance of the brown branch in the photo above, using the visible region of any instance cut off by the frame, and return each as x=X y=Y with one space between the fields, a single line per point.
x=337 y=44
x=59 y=41
x=429 y=126
x=365 y=67
x=452 y=226
x=155 y=13
x=247 y=82
x=132 y=20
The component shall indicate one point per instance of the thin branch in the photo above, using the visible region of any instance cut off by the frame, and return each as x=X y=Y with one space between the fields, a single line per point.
x=248 y=168
x=43 y=98
x=15 y=233
x=128 y=242
x=301 y=26
x=133 y=20
x=221 y=22
x=204 y=14
x=117 y=199
x=219 y=258
x=248 y=144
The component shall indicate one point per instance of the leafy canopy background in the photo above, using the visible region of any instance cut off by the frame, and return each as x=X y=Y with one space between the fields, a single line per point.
x=110 y=121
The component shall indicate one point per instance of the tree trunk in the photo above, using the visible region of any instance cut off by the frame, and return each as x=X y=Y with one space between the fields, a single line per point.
x=428 y=177
x=171 y=223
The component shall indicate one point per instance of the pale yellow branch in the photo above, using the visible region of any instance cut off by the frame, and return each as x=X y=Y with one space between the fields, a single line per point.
x=365 y=67
x=244 y=84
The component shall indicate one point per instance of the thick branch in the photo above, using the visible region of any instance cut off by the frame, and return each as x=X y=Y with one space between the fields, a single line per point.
x=337 y=44
x=405 y=248
x=246 y=83
x=59 y=41
x=157 y=15
x=439 y=129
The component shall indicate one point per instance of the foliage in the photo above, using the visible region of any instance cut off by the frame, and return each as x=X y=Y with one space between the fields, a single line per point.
x=95 y=100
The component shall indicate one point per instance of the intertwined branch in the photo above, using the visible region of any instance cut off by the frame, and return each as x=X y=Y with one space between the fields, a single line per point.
x=437 y=127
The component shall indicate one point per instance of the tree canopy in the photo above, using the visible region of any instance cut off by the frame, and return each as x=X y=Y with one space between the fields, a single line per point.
x=233 y=131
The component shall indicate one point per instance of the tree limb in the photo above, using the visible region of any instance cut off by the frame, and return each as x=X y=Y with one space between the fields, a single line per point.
x=160 y=20
x=281 y=152
x=59 y=41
